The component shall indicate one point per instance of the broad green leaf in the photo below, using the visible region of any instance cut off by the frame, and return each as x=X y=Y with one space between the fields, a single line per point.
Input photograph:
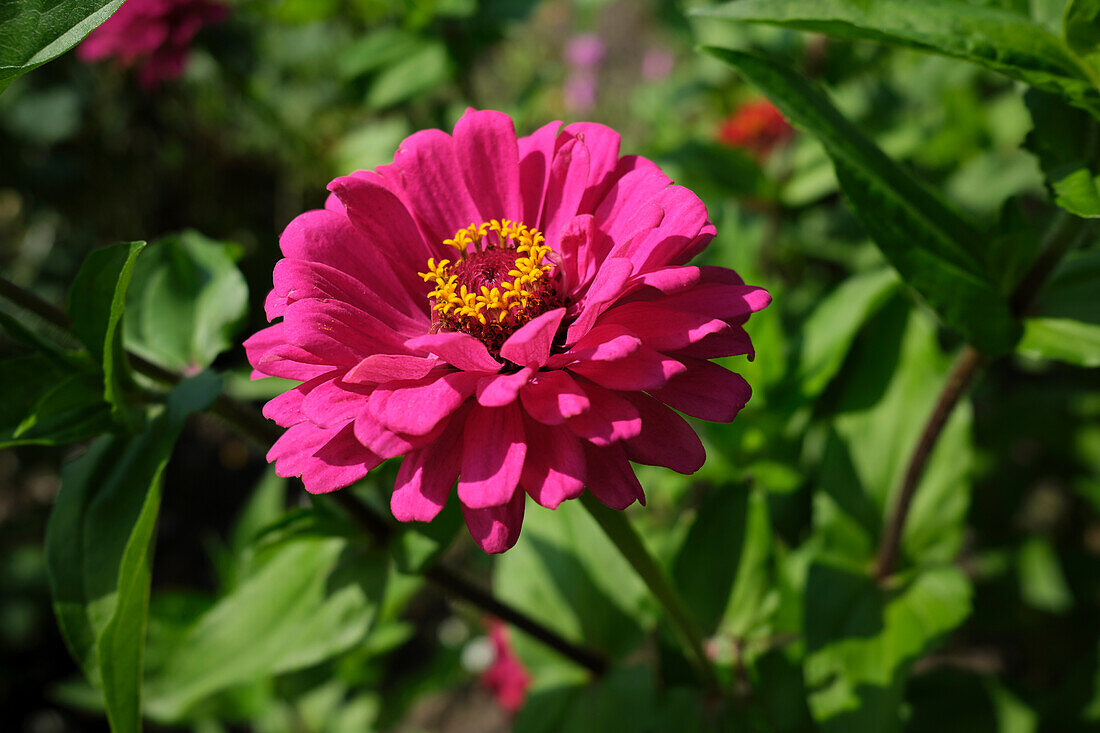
x=834 y=324
x=418 y=544
x=312 y=598
x=1066 y=324
x=1079 y=193
x=98 y=541
x=1067 y=143
x=33 y=32
x=43 y=405
x=97 y=301
x=882 y=402
x=1001 y=40
x=934 y=250
x=416 y=73
x=1062 y=339
x=186 y=302
x=706 y=565
x=1082 y=27
x=567 y=573
x=861 y=640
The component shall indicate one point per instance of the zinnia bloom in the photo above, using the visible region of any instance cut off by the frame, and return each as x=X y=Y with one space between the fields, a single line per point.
x=153 y=35
x=506 y=677
x=757 y=127
x=516 y=315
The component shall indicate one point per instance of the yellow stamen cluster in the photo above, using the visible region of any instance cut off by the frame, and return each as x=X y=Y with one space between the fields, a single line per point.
x=453 y=299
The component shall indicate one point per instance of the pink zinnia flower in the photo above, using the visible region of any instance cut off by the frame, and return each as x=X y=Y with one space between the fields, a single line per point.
x=153 y=35
x=506 y=677
x=756 y=126
x=514 y=315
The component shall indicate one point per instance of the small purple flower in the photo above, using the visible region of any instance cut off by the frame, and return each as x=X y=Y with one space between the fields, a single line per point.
x=657 y=64
x=585 y=51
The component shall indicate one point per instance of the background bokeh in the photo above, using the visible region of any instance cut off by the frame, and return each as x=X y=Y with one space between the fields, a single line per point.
x=287 y=94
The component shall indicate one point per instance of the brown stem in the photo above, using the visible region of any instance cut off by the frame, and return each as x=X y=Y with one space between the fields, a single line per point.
x=263 y=432
x=966 y=368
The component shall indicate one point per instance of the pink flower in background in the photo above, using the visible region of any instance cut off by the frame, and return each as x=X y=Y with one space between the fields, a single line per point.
x=757 y=127
x=583 y=56
x=657 y=64
x=516 y=315
x=506 y=678
x=153 y=35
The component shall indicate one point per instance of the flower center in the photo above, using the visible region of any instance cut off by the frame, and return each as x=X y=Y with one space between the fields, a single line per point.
x=498 y=281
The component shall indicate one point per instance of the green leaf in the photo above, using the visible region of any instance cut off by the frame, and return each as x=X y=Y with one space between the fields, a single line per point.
x=186 y=302
x=419 y=544
x=33 y=32
x=566 y=572
x=97 y=301
x=1066 y=325
x=311 y=598
x=934 y=250
x=1079 y=193
x=1062 y=339
x=862 y=639
x=1067 y=142
x=834 y=324
x=417 y=73
x=1082 y=26
x=1042 y=583
x=882 y=403
x=41 y=405
x=1001 y=40
x=98 y=543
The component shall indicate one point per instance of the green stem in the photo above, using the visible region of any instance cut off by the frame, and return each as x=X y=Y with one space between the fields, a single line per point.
x=626 y=539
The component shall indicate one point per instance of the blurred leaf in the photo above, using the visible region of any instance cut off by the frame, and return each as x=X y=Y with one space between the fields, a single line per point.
x=882 y=402
x=419 y=544
x=33 y=32
x=1079 y=193
x=936 y=252
x=98 y=543
x=186 y=302
x=97 y=301
x=1061 y=339
x=834 y=324
x=311 y=599
x=71 y=410
x=862 y=639
x=1000 y=40
x=1013 y=247
x=377 y=50
x=567 y=573
x=1082 y=26
x=369 y=146
x=1067 y=142
x=706 y=565
x=1066 y=325
x=417 y=73
x=1042 y=582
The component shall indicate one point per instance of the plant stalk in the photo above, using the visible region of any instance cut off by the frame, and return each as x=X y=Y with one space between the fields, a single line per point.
x=626 y=539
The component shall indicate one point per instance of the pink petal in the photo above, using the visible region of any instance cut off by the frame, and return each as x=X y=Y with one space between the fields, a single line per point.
x=496 y=529
x=381 y=368
x=661 y=328
x=325 y=459
x=492 y=456
x=530 y=345
x=719 y=300
x=487 y=151
x=459 y=349
x=416 y=407
x=553 y=397
x=266 y=353
x=611 y=478
x=606 y=287
x=706 y=391
x=609 y=418
x=502 y=389
x=384 y=224
x=603 y=148
x=338 y=333
x=675 y=239
x=582 y=247
x=435 y=184
x=426 y=476
x=286 y=409
x=331 y=403
x=730 y=341
x=568 y=177
x=642 y=369
x=666 y=438
x=629 y=195
x=536 y=151
x=553 y=469
x=384 y=442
